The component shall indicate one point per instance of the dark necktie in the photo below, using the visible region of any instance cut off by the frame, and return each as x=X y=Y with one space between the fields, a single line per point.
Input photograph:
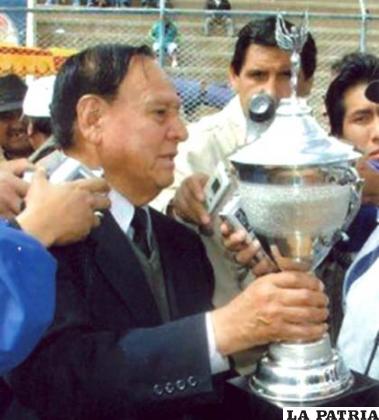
x=139 y=224
x=361 y=267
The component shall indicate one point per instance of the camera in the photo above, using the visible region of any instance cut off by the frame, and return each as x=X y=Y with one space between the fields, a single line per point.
x=262 y=107
x=70 y=169
x=64 y=168
x=235 y=216
x=216 y=187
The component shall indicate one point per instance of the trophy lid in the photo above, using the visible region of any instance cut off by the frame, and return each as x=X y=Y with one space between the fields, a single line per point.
x=294 y=139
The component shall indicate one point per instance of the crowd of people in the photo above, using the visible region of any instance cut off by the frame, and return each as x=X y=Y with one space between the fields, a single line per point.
x=135 y=301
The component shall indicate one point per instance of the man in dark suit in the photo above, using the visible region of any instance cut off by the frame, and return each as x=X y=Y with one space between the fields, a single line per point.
x=134 y=333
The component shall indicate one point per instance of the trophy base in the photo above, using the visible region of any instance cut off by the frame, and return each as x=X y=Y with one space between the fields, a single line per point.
x=242 y=403
x=301 y=372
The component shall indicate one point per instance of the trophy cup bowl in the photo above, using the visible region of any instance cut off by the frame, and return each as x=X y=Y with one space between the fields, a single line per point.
x=299 y=190
x=298 y=213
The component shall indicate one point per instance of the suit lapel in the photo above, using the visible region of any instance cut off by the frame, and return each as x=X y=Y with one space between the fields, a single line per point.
x=118 y=263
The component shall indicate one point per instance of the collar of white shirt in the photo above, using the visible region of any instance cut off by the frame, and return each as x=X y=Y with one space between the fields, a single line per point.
x=123 y=211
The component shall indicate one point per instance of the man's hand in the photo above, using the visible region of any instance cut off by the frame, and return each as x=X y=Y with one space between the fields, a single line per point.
x=370 y=193
x=246 y=251
x=12 y=188
x=189 y=201
x=62 y=213
x=285 y=306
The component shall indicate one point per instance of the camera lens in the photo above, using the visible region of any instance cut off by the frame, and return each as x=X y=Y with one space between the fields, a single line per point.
x=262 y=107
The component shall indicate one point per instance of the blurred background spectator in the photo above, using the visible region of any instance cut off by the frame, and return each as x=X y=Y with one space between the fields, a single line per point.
x=108 y=3
x=221 y=19
x=13 y=138
x=165 y=35
x=150 y=3
x=36 y=110
x=54 y=2
x=195 y=93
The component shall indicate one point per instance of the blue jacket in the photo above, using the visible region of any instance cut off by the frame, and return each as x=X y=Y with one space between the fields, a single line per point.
x=27 y=295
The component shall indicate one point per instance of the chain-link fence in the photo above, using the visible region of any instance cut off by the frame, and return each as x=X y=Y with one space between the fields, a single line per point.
x=201 y=70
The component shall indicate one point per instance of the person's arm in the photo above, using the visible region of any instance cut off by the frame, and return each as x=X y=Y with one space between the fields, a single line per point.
x=175 y=32
x=189 y=202
x=154 y=31
x=27 y=293
x=54 y=214
x=245 y=251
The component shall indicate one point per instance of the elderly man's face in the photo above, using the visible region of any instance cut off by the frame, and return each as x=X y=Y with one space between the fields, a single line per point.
x=361 y=121
x=266 y=69
x=141 y=130
x=13 y=136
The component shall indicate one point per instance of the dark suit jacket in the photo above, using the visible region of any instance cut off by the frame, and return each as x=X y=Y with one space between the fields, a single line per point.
x=107 y=354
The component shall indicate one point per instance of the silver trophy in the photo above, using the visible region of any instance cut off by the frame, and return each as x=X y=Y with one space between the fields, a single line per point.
x=300 y=191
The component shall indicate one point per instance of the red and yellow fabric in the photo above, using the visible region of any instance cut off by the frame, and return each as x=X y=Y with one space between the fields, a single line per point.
x=31 y=61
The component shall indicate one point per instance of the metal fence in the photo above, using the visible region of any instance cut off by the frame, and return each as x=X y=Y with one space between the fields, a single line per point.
x=202 y=72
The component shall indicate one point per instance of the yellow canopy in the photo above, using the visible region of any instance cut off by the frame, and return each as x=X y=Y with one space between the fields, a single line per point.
x=31 y=61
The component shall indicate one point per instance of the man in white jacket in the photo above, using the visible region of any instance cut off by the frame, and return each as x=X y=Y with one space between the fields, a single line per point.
x=258 y=65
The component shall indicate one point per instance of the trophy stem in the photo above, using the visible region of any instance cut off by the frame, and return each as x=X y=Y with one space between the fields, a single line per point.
x=301 y=372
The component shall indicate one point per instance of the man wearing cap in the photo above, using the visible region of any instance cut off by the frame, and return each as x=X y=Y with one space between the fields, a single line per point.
x=36 y=109
x=352 y=105
x=13 y=138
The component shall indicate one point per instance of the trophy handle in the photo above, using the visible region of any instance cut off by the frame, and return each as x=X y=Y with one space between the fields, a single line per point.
x=355 y=182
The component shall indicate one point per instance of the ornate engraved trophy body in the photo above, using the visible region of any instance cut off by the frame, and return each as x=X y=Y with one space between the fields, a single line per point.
x=300 y=191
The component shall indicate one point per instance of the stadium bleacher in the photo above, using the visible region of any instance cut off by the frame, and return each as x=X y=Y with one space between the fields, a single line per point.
x=336 y=27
